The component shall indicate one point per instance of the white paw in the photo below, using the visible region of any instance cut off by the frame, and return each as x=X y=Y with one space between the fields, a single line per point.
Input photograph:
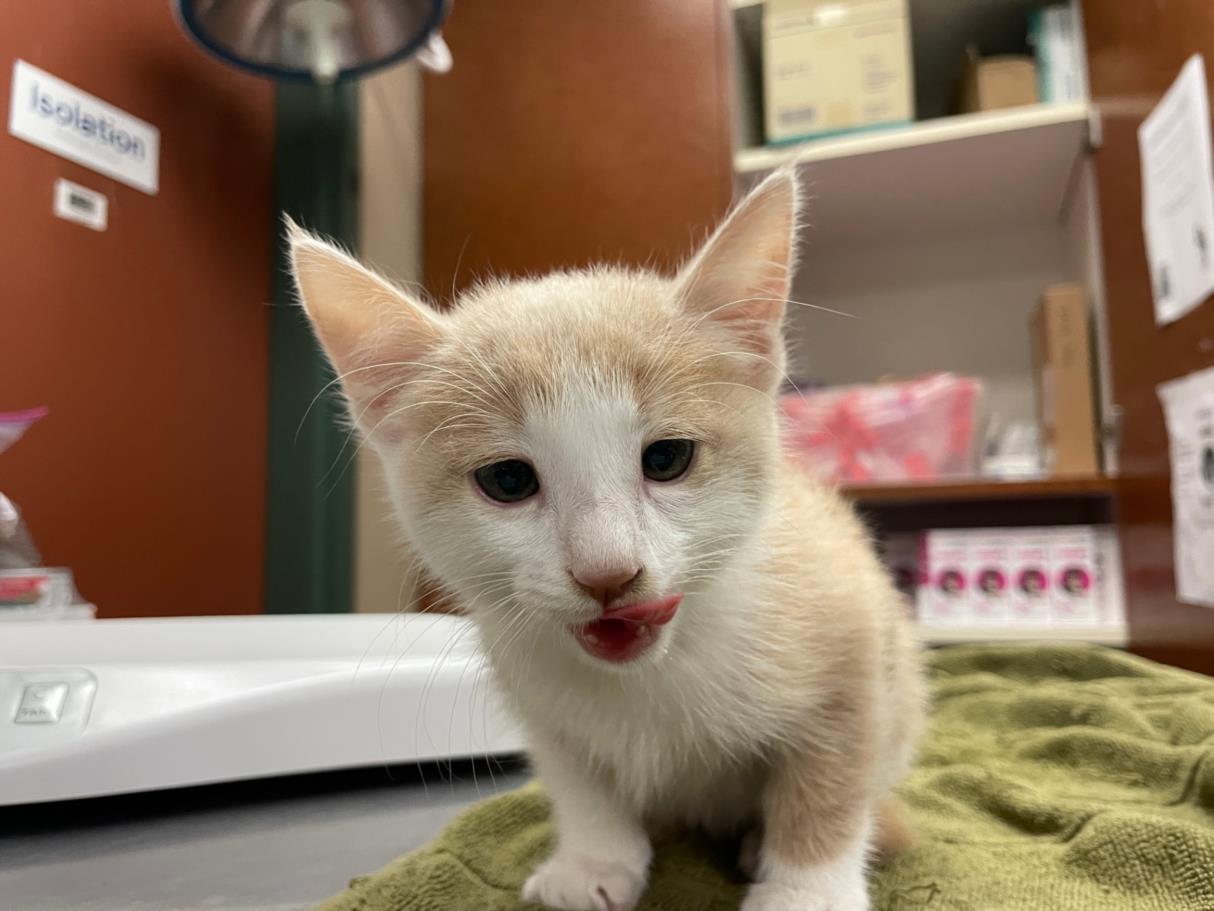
x=786 y=896
x=577 y=882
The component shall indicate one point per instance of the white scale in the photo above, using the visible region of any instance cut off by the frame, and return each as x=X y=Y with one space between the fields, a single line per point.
x=96 y=707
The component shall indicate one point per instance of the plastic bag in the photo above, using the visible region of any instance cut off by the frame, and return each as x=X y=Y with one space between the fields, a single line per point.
x=29 y=591
x=17 y=549
x=914 y=430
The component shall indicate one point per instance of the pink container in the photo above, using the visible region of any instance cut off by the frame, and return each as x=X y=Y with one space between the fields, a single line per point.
x=915 y=430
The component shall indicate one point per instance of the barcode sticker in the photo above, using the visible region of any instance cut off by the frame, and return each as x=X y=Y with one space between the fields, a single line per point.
x=81 y=205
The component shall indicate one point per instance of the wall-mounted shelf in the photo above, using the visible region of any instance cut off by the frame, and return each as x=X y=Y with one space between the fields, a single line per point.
x=951 y=175
x=980 y=489
x=1114 y=635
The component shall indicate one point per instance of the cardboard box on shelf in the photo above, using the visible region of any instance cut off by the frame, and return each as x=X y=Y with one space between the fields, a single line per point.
x=991 y=83
x=1029 y=577
x=987 y=569
x=943 y=599
x=1075 y=585
x=833 y=66
x=1062 y=370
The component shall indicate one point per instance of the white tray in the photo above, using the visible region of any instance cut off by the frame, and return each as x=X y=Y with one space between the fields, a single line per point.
x=116 y=706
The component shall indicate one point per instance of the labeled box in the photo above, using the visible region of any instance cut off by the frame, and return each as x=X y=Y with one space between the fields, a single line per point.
x=991 y=83
x=1029 y=577
x=1062 y=370
x=1074 y=577
x=987 y=569
x=832 y=66
x=942 y=599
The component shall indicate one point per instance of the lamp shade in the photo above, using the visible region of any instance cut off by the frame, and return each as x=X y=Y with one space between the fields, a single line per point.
x=321 y=40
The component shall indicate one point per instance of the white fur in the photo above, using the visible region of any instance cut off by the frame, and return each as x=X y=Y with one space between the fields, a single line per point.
x=686 y=734
x=602 y=861
x=838 y=885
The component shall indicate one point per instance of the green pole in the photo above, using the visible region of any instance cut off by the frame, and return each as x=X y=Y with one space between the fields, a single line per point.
x=310 y=484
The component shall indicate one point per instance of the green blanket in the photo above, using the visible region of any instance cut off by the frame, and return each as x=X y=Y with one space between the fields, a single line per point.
x=1053 y=778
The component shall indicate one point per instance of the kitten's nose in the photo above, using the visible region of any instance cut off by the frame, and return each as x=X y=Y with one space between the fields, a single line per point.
x=607 y=584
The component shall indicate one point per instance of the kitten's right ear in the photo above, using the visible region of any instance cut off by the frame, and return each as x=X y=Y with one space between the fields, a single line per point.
x=373 y=333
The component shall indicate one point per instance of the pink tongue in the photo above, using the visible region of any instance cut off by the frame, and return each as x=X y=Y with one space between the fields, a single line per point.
x=625 y=631
x=658 y=612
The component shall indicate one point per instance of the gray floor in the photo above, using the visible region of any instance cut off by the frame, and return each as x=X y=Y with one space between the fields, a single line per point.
x=286 y=852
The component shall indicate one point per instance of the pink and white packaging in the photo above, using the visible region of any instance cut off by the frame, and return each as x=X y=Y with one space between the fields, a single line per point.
x=943 y=598
x=1029 y=577
x=1109 y=576
x=987 y=566
x=1075 y=587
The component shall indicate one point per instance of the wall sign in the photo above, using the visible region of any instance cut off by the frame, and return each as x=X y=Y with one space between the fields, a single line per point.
x=1188 y=408
x=55 y=115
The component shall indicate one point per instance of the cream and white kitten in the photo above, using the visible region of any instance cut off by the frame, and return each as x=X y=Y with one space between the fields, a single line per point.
x=692 y=632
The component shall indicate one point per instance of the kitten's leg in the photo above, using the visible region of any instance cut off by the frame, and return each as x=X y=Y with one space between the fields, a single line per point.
x=601 y=862
x=818 y=821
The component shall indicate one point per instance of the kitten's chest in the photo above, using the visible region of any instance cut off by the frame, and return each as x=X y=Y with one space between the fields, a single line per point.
x=678 y=747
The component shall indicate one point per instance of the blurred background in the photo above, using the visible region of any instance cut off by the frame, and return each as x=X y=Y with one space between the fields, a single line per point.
x=974 y=352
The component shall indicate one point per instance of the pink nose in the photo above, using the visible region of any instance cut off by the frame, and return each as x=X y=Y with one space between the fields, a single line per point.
x=606 y=585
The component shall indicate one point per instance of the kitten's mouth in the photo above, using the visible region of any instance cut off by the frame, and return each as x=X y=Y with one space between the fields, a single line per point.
x=624 y=633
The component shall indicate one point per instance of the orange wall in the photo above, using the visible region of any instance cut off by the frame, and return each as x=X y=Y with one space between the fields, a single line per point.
x=149 y=341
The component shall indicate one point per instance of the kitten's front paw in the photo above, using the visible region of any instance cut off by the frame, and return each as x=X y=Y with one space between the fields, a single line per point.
x=783 y=896
x=576 y=882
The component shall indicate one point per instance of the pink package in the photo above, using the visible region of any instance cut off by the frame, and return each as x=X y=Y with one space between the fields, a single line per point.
x=917 y=429
x=988 y=570
x=943 y=598
x=1074 y=588
x=1029 y=576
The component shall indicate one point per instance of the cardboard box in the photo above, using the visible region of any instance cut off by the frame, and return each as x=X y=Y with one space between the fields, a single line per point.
x=990 y=83
x=1062 y=368
x=832 y=66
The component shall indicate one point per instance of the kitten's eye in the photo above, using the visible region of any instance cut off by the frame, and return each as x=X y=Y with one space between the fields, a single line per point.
x=666 y=460
x=508 y=481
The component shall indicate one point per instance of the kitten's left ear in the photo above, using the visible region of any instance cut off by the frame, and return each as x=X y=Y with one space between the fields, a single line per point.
x=740 y=278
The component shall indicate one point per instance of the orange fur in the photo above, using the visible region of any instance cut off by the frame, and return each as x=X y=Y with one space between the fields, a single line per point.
x=786 y=692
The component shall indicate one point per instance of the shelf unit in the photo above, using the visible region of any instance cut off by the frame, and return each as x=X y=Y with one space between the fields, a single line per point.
x=1115 y=637
x=763 y=159
x=981 y=172
x=979 y=489
x=935 y=240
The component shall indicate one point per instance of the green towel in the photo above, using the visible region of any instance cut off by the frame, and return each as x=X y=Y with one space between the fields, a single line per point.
x=1053 y=778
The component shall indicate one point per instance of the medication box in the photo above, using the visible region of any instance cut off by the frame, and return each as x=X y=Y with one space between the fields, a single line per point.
x=987 y=577
x=832 y=66
x=942 y=598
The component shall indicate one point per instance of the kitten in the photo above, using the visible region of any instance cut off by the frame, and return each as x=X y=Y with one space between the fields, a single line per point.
x=692 y=632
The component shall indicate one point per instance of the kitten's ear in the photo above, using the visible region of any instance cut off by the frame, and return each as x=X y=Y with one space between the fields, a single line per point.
x=373 y=332
x=740 y=278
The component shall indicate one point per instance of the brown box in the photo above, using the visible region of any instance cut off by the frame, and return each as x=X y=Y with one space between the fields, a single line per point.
x=988 y=83
x=1062 y=370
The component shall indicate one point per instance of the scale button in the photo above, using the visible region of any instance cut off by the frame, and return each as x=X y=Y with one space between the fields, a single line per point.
x=41 y=703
